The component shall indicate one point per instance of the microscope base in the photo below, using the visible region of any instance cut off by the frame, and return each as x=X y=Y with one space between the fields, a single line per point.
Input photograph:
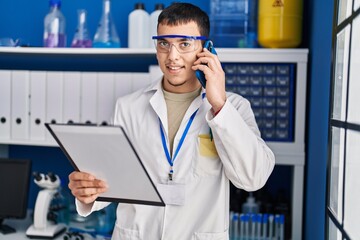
x=49 y=232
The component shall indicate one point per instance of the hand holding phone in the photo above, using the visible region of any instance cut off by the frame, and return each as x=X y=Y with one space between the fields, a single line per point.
x=199 y=74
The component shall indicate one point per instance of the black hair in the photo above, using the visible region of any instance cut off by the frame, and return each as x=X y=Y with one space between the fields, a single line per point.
x=182 y=13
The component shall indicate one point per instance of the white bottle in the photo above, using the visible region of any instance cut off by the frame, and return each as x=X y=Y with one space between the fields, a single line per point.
x=139 y=32
x=154 y=21
x=250 y=206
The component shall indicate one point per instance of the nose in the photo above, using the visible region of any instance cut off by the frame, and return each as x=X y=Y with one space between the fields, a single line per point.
x=173 y=52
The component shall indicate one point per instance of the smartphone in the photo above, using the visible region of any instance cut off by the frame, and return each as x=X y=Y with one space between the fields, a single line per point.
x=199 y=74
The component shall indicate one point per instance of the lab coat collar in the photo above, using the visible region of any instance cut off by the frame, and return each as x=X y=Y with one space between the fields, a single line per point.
x=157 y=101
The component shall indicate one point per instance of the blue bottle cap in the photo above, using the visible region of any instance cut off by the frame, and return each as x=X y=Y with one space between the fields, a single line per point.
x=282 y=219
x=265 y=218
x=55 y=3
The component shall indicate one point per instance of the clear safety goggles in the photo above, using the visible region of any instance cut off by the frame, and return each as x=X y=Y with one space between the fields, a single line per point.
x=185 y=44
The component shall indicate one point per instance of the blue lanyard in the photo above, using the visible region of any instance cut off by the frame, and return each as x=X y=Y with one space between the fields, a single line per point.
x=166 y=150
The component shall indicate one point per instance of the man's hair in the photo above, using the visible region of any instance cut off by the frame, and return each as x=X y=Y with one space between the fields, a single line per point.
x=183 y=13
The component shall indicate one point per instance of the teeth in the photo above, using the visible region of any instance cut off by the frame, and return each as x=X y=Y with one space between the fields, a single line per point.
x=174 y=68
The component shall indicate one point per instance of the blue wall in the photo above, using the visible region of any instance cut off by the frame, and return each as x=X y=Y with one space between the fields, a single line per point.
x=24 y=19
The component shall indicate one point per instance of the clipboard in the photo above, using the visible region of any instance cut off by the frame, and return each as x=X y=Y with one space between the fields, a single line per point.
x=107 y=153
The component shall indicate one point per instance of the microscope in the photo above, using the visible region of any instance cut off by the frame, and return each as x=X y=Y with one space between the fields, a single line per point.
x=42 y=227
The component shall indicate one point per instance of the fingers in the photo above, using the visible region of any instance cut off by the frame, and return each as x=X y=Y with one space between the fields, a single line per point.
x=205 y=60
x=85 y=187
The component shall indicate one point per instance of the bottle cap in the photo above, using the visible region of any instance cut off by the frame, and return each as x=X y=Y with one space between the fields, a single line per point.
x=140 y=5
x=55 y=3
x=159 y=6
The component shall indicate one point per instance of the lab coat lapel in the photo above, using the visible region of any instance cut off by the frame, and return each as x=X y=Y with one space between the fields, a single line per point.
x=157 y=102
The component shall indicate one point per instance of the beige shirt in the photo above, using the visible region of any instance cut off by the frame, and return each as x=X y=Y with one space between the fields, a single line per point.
x=177 y=104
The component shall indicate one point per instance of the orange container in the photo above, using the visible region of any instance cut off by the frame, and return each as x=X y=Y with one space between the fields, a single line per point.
x=280 y=23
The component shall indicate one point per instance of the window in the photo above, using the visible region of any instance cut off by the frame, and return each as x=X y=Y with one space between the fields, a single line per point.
x=343 y=184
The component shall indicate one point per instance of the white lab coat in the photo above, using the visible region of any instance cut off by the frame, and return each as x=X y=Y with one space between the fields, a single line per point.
x=242 y=157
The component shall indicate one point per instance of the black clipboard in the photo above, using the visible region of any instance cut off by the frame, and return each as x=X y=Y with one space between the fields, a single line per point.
x=107 y=153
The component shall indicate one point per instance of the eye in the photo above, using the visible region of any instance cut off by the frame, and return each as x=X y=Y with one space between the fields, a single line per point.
x=163 y=44
x=186 y=44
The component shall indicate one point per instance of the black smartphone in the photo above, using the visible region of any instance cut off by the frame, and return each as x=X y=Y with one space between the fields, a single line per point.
x=199 y=74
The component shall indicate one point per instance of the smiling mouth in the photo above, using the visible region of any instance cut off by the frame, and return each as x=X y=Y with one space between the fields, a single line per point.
x=174 y=68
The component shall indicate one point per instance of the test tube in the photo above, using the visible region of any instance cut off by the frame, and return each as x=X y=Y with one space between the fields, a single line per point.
x=282 y=229
x=242 y=226
x=277 y=226
x=231 y=225
x=258 y=226
x=271 y=226
x=265 y=220
x=235 y=226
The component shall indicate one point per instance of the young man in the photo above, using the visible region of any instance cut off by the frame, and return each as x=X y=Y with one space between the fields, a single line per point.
x=191 y=140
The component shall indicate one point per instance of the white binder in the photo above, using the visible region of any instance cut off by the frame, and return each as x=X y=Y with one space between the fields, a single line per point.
x=72 y=81
x=88 y=101
x=140 y=80
x=54 y=99
x=155 y=73
x=20 y=105
x=122 y=84
x=37 y=105
x=106 y=99
x=5 y=103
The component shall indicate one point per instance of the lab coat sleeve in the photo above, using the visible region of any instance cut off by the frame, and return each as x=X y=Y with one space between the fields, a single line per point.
x=85 y=210
x=247 y=160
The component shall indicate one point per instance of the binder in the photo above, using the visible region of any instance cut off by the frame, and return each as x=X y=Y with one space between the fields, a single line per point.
x=155 y=73
x=20 y=105
x=88 y=101
x=140 y=80
x=72 y=82
x=54 y=99
x=106 y=99
x=122 y=84
x=37 y=105
x=5 y=103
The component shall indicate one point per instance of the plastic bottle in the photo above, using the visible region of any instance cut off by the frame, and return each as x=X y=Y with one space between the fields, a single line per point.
x=250 y=206
x=106 y=35
x=154 y=21
x=54 y=26
x=139 y=32
x=280 y=23
x=81 y=37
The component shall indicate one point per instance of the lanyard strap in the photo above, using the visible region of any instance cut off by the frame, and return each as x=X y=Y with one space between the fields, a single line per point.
x=166 y=150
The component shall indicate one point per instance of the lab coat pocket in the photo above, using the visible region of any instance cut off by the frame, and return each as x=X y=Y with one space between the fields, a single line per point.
x=208 y=160
x=125 y=234
x=207 y=146
x=211 y=236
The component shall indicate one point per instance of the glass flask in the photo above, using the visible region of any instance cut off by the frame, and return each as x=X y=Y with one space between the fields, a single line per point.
x=81 y=38
x=106 y=35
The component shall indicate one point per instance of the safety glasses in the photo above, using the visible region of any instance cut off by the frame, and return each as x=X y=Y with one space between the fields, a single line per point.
x=184 y=44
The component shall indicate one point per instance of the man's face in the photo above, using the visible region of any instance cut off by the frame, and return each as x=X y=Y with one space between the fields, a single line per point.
x=176 y=66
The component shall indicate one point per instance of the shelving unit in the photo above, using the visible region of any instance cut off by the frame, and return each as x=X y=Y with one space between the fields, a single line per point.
x=290 y=153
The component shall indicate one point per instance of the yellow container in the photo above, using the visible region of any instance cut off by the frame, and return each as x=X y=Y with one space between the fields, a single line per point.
x=280 y=23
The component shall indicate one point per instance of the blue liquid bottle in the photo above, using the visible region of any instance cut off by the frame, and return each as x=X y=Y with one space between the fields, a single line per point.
x=81 y=37
x=106 y=35
x=54 y=26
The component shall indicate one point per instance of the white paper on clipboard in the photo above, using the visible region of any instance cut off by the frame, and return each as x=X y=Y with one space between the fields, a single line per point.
x=107 y=153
